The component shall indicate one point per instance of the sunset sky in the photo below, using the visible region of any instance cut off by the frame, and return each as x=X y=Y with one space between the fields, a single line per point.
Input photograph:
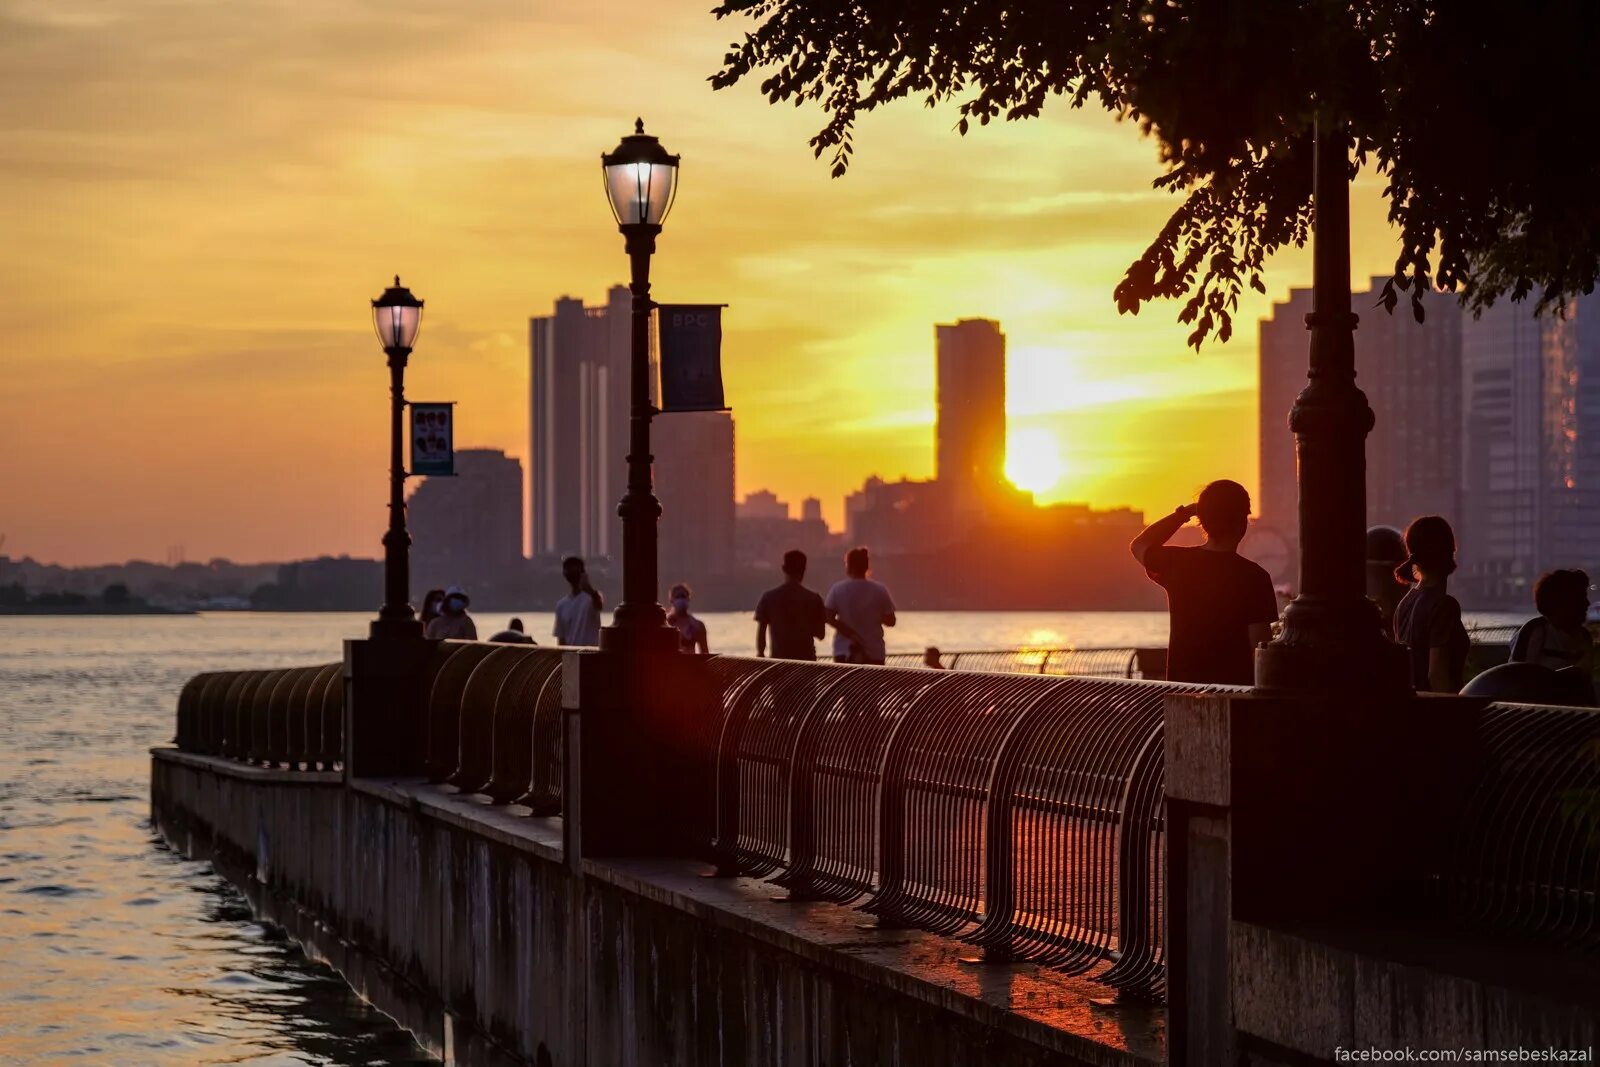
x=198 y=201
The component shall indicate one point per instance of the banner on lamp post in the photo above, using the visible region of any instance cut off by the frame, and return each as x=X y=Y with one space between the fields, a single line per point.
x=433 y=447
x=690 y=346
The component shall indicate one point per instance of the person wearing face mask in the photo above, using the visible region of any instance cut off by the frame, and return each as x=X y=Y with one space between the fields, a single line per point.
x=691 y=631
x=453 y=623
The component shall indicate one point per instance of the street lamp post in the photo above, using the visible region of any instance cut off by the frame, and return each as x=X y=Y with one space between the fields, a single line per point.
x=641 y=179
x=397 y=315
x=1331 y=638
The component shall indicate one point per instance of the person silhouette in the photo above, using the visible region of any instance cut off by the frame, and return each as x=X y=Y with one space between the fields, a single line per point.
x=1428 y=619
x=1221 y=605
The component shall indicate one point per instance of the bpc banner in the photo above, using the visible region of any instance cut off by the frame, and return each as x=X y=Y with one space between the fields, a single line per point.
x=433 y=447
x=690 y=337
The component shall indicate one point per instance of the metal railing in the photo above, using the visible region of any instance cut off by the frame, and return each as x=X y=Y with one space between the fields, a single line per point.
x=1523 y=856
x=1076 y=662
x=1023 y=814
x=493 y=722
x=1144 y=662
x=284 y=718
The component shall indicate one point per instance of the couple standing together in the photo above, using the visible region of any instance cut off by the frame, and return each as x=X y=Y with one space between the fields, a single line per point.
x=857 y=607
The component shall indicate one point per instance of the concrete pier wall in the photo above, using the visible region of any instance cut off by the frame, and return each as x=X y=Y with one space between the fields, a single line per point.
x=473 y=928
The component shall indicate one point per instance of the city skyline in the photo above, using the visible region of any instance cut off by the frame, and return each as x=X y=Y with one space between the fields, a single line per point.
x=195 y=389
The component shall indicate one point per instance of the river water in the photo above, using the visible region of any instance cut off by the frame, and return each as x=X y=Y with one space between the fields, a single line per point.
x=114 y=950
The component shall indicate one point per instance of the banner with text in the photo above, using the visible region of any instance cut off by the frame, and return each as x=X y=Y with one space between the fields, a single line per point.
x=433 y=447
x=690 y=337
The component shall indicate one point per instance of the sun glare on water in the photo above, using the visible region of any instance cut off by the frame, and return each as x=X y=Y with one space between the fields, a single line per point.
x=1033 y=460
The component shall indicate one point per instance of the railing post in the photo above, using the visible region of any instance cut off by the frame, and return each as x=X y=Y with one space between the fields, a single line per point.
x=1291 y=809
x=383 y=706
x=637 y=776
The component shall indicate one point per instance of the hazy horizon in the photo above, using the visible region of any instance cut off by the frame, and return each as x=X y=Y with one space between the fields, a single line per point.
x=202 y=201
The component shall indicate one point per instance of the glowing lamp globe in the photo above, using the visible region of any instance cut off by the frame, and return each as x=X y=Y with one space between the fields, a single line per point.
x=397 y=315
x=640 y=179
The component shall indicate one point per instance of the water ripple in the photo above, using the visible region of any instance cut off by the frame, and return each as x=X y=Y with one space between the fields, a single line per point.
x=117 y=950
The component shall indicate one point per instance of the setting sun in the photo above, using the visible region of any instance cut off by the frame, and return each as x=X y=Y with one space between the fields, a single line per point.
x=1033 y=460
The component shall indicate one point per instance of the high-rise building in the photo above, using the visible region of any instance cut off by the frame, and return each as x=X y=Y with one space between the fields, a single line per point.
x=970 y=441
x=1531 y=423
x=764 y=530
x=578 y=443
x=763 y=504
x=1411 y=374
x=467 y=529
x=694 y=476
x=1282 y=355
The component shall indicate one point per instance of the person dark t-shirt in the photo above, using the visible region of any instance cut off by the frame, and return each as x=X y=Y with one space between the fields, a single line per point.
x=795 y=620
x=1212 y=598
x=1429 y=618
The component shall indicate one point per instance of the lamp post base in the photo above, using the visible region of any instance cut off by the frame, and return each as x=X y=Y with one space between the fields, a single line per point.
x=395 y=630
x=1333 y=647
x=640 y=640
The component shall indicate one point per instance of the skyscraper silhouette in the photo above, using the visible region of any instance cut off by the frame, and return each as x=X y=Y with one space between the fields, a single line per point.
x=467 y=529
x=1531 y=423
x=970 y=440
x=578 y=446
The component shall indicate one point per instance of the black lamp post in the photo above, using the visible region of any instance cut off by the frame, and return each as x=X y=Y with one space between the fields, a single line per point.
x=1331 y=638
x=641 y=178
x=397 y=315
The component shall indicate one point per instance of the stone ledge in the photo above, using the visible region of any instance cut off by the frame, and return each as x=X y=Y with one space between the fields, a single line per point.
x=1035 y=1003
x=249 y=771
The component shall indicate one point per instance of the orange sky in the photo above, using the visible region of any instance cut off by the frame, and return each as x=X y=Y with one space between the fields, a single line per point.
x=198 y=200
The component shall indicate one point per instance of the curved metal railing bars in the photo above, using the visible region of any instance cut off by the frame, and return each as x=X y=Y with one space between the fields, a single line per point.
x=1073 y=825
x=511 y=760
x=1092 y=663
x=475 y=717
x=325 y=748
x=764 y=717
x=1076 y=662
x=936 y=775
x=1141 y=964
x=547 y=746
x=1024 y=814
x=735 y=683
x=1523 y=856
x=271 y=733
x=235 y=717
x=837 y=755
x=260 y=715
x=1108 y=662
x=456 y=660
x=216 y=710
x=200 y=705
x=1492 y=635
x=287 y=727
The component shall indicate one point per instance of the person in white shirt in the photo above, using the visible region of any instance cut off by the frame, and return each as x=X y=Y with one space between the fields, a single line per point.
x=578 y=613
x=858 y=609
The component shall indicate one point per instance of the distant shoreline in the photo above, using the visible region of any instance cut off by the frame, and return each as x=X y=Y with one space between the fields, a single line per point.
x=90 y=609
